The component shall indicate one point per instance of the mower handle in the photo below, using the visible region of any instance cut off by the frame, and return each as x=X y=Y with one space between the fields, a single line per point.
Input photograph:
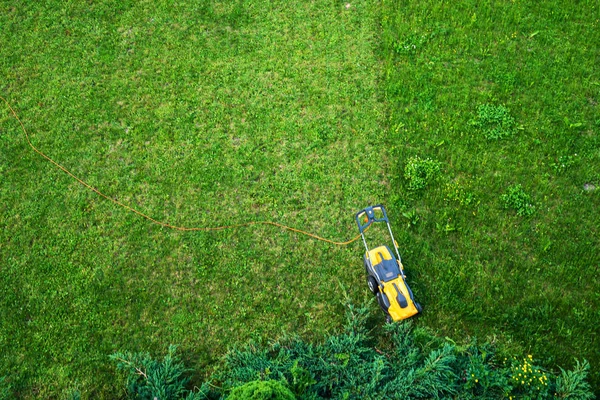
x=369 y=212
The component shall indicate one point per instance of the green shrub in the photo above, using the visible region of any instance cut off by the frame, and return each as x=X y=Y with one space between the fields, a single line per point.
x=152 y=379
x=515 y=198
x=420 y=172
x=261 y=390
x=573 y=384
x=528 y=379
x=346 y=365
x=413 y=365
x=494 y=121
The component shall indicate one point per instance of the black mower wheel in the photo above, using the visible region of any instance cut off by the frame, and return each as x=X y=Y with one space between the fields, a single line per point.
x=388 y=318
x=419 y=308
x=373 y=287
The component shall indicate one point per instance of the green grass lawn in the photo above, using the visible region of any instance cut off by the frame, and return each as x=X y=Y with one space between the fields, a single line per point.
x=200 y=115
x=209 y=113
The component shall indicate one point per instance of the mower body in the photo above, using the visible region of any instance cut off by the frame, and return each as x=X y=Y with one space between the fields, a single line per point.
x=385 y=272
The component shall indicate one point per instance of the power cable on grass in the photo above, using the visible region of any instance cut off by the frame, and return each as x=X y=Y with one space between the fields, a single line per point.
x=161 y=223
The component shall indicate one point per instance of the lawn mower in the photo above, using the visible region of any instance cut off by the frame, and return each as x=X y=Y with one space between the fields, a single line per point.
x=385 y=273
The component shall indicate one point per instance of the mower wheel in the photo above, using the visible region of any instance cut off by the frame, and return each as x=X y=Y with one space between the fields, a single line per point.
x=372 y=284
x=383 y=301
x=388 y=318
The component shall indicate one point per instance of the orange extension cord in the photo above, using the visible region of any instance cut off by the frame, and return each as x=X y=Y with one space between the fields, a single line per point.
x=164 y=224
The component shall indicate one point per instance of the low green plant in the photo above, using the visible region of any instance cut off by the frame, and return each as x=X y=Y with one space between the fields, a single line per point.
x=412 y=216
x=527 y=378
x=421 y=172
x=494 y=121
x=456 y=192
x=572 y=384
x=148 y=378
x=563 y=163
x=410 y=44
x=261 y=390
x=515 y=198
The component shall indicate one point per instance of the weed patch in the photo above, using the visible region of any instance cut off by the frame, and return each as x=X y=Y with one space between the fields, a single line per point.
x=456 y=192
x=494 y=121
x=516 y=199
x=421 y=172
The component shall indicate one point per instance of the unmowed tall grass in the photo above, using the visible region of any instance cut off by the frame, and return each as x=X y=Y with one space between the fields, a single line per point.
x=504 y=96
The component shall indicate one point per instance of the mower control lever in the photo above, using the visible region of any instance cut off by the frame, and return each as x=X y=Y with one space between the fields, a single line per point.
x=369 y=212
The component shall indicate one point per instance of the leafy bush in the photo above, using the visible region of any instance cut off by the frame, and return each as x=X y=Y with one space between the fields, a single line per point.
x=420 y=172
x=495 y=121
x=515 y=198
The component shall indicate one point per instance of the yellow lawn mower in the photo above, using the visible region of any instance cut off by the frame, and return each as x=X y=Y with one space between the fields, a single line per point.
x=385 y=273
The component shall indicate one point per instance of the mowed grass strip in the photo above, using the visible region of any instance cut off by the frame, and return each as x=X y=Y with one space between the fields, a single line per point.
x=494 y=110
x=198 y=114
